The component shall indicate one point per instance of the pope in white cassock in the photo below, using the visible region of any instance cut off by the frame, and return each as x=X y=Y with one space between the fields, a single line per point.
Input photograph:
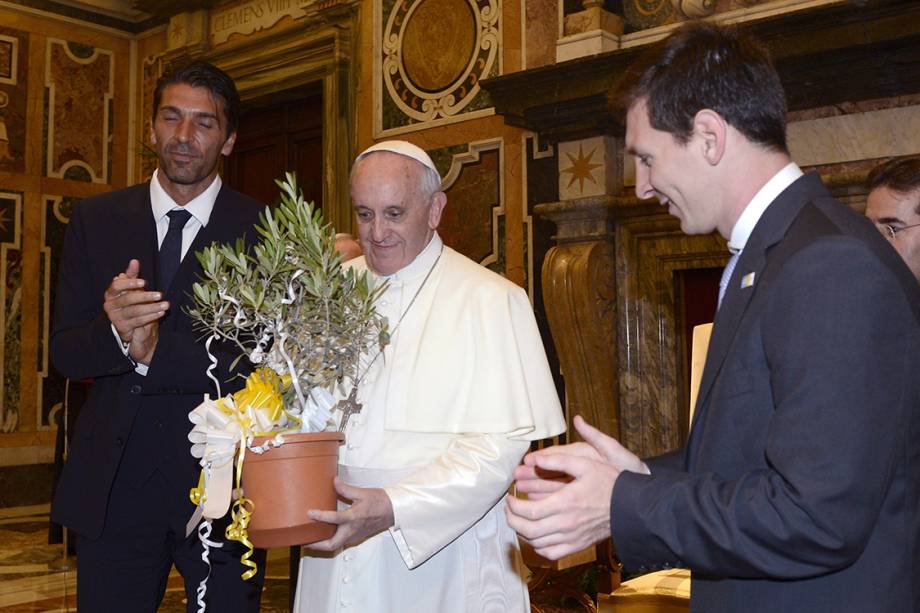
x=448 y=410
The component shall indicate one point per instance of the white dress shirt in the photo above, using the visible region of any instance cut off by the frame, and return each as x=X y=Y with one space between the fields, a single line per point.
x=162 y=203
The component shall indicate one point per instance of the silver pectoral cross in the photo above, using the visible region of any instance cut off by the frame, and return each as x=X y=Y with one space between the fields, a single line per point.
x=349 y=406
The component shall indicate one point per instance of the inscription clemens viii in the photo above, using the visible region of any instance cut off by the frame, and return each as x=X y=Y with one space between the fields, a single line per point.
x=251 y=17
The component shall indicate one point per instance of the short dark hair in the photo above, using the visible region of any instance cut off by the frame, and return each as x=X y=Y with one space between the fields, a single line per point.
x=209 y=76
x=900 y=175
x=705 y=66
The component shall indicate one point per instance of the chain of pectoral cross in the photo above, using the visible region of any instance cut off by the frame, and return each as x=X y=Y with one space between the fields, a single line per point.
x=350 y=405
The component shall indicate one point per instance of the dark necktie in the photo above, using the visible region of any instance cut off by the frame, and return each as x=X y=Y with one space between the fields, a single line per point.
x=171 y=249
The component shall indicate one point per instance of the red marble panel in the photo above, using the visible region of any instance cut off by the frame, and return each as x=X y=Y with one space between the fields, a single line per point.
x=467 y=223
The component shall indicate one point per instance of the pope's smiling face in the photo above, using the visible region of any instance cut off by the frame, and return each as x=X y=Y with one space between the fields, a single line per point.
x=395 y=219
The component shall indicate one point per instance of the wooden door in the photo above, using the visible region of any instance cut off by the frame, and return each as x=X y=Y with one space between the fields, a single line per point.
x=274 y=137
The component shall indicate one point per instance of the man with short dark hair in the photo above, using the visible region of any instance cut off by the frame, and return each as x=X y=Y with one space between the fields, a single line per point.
x=127 y=270
x=893 y=206
x=799 y=486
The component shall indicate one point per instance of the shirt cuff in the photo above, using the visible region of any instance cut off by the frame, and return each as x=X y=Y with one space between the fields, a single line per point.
x=140 y=369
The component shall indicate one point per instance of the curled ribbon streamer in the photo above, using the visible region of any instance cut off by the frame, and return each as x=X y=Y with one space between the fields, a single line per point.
x=241 y=514
x=213 y=365
x=204 y=533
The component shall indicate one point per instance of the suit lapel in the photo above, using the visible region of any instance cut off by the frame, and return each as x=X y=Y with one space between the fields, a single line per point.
x=770 y=229
x=139 y=214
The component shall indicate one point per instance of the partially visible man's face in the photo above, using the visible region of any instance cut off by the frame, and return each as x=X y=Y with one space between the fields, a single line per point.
x=395 y=222
x=188 y=132
x=898 y=210
x=671 y=172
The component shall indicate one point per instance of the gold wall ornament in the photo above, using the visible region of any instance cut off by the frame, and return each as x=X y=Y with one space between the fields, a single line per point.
x=695 y=9
x=434 y=53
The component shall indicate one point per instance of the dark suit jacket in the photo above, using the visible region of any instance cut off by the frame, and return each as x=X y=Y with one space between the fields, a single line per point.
x=798 y=488
x=130 y=424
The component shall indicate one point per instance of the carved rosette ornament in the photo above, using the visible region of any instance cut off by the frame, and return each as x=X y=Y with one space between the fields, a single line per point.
x=436 y=51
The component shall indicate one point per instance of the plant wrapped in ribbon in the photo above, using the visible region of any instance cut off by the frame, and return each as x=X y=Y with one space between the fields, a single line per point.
x=288 y=306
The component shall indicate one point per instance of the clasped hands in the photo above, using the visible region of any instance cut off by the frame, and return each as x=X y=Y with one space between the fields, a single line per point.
x=134 y=312
x=568 y=490
x=370 y=513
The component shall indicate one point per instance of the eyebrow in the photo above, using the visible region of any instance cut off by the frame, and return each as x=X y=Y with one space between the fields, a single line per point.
x=889 y=220
x=196 y=114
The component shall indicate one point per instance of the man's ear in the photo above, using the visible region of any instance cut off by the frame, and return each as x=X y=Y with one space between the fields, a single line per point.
x=435 y=208
x=712 y=130
x=153 y=135
x=227 y=149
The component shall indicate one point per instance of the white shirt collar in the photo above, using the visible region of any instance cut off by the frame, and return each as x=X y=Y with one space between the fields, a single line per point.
x=759 y=203
x=422 y=263
x=200 y=206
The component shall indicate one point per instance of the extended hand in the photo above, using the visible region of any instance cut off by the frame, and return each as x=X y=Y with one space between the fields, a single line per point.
x=599 y=447
x=371 y=512
x=128 y=307
x=563 y=516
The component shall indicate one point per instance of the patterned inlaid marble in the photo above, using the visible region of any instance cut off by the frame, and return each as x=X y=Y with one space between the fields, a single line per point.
x=859 y=136
x=432 y=55
x=14 y=59
x=470 y=222
x=79 y=83
x=55 y=216
x=11 y=315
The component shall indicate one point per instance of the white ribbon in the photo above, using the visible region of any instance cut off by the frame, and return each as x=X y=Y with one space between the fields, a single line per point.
x=214 y=438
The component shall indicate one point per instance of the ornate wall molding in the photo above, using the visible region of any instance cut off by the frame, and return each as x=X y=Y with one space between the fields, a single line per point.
x=11 y=314
x=429 y=56
x=80 y=87
x=474 y=183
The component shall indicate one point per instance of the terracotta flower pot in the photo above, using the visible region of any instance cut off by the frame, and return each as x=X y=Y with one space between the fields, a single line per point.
x=285 y=481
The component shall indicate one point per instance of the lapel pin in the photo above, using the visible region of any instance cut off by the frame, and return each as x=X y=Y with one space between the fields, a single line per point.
x=747 y=280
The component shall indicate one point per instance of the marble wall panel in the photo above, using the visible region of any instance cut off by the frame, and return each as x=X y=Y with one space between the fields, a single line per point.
x=541 y=185
x=650 y=249
x=859 y=136
x=429 y=58
x=541 y=29
x=79 y=87
x=472 y=222
x=55 y=216
x=11 y=315
x=14 y=68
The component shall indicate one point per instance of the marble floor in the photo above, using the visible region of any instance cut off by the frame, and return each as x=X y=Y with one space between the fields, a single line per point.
x=29 y=585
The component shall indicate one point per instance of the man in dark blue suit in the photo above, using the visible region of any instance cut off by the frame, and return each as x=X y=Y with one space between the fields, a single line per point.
x=799 y=486
x=126 y=273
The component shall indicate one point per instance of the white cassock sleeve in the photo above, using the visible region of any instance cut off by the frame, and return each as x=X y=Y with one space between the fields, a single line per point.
x=440 y=501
